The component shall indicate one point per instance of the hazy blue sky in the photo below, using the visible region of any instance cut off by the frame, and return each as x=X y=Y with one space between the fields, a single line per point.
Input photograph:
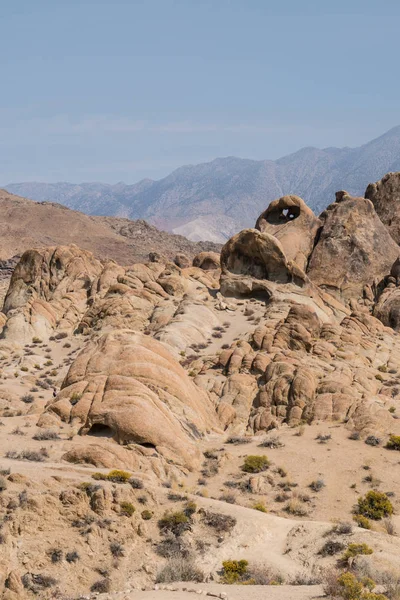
x=115 y=90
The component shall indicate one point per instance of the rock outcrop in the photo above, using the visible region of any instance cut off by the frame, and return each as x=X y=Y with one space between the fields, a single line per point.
x=49 y=288
x=251 y=259
x=385 y=196
x=294 y=224
x=129 y=386
x=354 y=248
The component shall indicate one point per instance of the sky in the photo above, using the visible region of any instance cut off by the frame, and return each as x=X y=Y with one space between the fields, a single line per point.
x=120 y=90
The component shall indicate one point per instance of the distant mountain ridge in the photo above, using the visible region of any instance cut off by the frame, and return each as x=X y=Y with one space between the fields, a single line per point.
x=213 y=200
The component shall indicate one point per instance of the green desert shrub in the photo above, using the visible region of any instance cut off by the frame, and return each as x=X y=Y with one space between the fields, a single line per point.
x=127 y=509
x=146 y=515
x=374 y=505
x=393 y=442
x=116 y=476
x=255 y=464
x=234 y=571
x=175 y=523
x=362 y=521
x=260 y=506
x=354 y=550
x=348 y=587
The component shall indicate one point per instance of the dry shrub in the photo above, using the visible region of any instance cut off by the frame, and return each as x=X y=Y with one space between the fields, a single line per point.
x=180 y=569
x=219 y=522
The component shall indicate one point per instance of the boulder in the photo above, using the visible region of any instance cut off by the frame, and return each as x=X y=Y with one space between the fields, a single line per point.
x=49 y=288
x=294 y=224
x=353 y=249
x=385 y=196
x=182 y=261
x=128 y=386
x=208 y=261
x=251 y=259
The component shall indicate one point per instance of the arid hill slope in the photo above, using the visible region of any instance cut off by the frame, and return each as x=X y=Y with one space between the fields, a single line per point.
x=26 y=224
x=251 y=400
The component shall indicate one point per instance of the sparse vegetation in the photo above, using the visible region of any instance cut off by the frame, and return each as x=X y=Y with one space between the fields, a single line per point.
x=237 y=440
x=362 y=521
x=255 y=464
x=393 y=443
x=331 y=547
x=221 y=523
x=260 y=506
x=127 y=509
x=354 y=550
x=175 y=523
x=374 y=505
x=31 y=455
x=234 y=571
x=46 y=434
x=116 y=476
x=317 y=485
x=180 y=569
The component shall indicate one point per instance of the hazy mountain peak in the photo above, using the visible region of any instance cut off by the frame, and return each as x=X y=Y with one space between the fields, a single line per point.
x=214 y=199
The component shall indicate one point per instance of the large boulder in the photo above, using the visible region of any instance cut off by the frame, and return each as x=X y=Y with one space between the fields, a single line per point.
x=294 y=224
x=385 y=196
x=128 y=386
x=353 y=249
x=251 y=259
x=49 y=288
x=208 y=261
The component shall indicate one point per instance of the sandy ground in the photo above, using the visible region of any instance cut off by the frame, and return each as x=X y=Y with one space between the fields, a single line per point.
x=234 y=592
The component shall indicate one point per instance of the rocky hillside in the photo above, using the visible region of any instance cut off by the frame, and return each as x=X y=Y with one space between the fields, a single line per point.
x=226 y=420
x=26 y=224
x=211 y=201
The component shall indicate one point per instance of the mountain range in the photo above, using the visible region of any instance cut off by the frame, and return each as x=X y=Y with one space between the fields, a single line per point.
x=211 y=201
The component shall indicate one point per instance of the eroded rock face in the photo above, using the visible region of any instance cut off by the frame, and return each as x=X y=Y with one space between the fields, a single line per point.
x=294 y=224
x=49 y=288
x=354 y=248
x=208 y=261
x=251 y=259
x=129 y=385
x=296 y=368
x=385 y=196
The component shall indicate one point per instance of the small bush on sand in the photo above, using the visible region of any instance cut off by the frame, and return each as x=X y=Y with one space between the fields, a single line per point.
x=317 y=485
x=116 y=476
x=36 y=583
x=393 y=442
x=255 y=464
x=348 y=587
x=27 y=398
x=127 y=509
x=331 y=547
x=362 y=521
x=137 y=484
x=175 y=523
x=46 y=434
x=102 y=586
x=374 y=505
x=260 y=506
x=234 y=571
x=221 y=523
x=237 y=440
x=354 y=550
x=180 y=569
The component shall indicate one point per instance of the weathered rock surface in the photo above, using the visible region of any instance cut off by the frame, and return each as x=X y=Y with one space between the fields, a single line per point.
x=294 y=224
x=385 y=196
x=354 y=248
x=130 y=385
x=49 y=288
